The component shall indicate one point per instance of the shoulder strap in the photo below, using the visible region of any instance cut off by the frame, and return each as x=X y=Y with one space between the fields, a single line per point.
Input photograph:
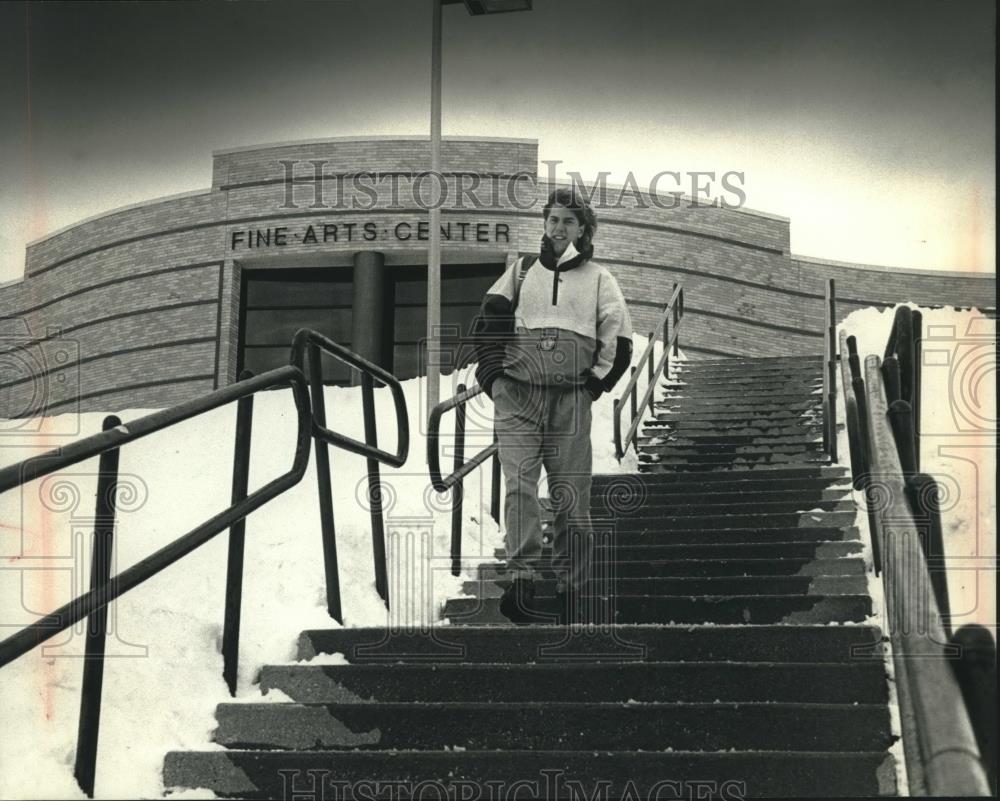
x=525 y=264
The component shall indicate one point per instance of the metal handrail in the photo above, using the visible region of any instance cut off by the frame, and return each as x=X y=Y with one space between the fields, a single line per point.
x=672 y=312
x=315 y=341
x=855 y=407
x=105 y=588
x=308 y=344
x=830 y=370
x=942 y=753
x=461 y=468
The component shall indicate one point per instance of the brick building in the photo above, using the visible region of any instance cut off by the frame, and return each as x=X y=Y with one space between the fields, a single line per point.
x=160 y=302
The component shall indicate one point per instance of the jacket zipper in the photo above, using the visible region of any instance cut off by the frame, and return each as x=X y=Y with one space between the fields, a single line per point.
x=555 y=285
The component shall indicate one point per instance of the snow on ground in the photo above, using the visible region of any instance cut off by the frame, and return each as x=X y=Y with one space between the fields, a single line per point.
x=163 y=675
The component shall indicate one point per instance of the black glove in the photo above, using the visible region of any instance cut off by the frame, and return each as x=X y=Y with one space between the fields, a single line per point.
x=594 y=386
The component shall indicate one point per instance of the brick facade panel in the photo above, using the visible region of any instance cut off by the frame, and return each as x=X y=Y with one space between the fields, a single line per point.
x=743 y=291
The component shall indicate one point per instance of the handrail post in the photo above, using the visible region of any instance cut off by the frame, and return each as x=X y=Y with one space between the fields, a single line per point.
x=633 y=405
x=649 y=366
x=666 y=327
x=237 y=532
x=976 y=671
x=327 y=526
x=925 y=500
x=618 y=429
x=901 y=419
x=85 y=768
x=458 y=489
x=495 y=481
x=678 y=314
x=374 y=489
x=831 y=368
x=891 y=377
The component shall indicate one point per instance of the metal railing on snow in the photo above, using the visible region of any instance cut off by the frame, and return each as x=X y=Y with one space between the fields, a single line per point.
x=670 y=323
x=948 y=718
x=104 y=588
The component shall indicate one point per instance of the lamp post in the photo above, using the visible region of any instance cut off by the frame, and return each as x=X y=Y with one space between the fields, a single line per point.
x=475 y=8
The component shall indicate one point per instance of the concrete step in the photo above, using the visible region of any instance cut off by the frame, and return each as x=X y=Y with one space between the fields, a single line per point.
x=742 y=550
x=718 y=441
x=696 y=381
x=683 y=426
x=691 y=586
x=661 y=505
x=654 y=463
x=669 y=413
x=800 y=566
x=750 y=368
x=660 y=498
x=563 y=726
x=709 y=434
x=708 y=452
x=736 y=406
x=786 y=477
x=676 y=396
x=530 y=774
x=668 y=524
x=803 y=682
x=653 y=643
x=719 y=609
x=656 y=533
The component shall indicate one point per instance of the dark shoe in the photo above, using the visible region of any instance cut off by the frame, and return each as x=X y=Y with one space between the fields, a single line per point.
x=518 y=602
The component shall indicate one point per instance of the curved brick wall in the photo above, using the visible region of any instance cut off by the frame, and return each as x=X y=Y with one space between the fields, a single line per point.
x=140 y=307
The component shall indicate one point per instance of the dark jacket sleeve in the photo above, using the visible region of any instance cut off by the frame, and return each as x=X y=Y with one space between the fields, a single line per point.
x=493 y=327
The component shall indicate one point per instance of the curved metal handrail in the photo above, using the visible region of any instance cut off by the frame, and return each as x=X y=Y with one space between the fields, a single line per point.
x=306 y=338
x=672 y=311
x=445 y=483
x=37 y=466
x=938 y=735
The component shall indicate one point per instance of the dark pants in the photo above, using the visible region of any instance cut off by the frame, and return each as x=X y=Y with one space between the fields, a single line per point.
x=543 y=426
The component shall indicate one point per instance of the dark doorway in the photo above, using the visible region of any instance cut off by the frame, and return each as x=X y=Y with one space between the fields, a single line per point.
x=276 y=303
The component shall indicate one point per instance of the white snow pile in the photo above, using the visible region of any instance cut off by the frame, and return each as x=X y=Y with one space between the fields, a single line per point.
x=163 y=674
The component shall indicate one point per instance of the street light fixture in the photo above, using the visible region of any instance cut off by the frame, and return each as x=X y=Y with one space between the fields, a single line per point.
x=475 y=8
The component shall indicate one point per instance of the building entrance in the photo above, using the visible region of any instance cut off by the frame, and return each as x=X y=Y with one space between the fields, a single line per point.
x=275 y=303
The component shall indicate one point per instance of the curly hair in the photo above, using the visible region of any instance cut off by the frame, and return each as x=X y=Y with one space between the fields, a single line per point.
x=570 y=199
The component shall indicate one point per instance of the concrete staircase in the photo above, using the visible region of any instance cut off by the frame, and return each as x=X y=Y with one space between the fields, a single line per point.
x=736 y=531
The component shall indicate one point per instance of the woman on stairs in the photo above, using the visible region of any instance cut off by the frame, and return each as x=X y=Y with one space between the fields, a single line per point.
x=553 y=335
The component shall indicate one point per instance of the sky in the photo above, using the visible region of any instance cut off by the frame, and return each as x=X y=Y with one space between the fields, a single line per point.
x=870 y=125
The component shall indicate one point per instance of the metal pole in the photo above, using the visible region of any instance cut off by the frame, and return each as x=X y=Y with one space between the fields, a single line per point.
x=495 y=482
x=434 y=249
x=831 y=364
x=327 y=527
x=633 y=407
x=85 y=769
x=234 y=562
x=458 y=490
x=649 y=368
x=374 y=489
